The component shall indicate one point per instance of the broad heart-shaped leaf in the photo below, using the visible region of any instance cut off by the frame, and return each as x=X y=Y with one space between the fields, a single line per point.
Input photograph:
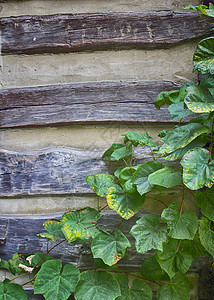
x=198 y=171
x=11 y=291
x=200 y=141
x=110 y=248
x=140 y=177
x=80 y=224
x=172 y=260
x=148 y=234
x=56 y=283
x=206 y=235
x=199 y=99
x=180 y=226
x=166 y=177
x=205 y=200
x=54 y=230
x=124 y=204
x=117 y=152
x=178 y=111
x=152 y=270
x=138 y=289
x=181 y=136
x=178 y=289
x=137 y=138
x=203 y=59
x=100 y=183
x=97 y=286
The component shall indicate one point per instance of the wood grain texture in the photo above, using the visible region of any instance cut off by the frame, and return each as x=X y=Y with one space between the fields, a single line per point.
x=85 y=103
x=22 y=237
x=83 y=32
x=54 y=171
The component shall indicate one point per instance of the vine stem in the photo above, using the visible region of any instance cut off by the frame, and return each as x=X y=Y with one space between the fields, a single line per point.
x=103 y=208
x=182 y=203
x=211 y=143
x=25 y=274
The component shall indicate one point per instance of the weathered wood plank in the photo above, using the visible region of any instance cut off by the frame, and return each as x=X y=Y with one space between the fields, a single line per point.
x=22 y=237
x=85 y=103
x=55 y=171
x=81 y=32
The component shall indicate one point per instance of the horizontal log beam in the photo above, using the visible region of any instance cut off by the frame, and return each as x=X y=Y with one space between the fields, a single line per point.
x=55 y=171
x=86 y=103
x=83 y=32
x=22 y=237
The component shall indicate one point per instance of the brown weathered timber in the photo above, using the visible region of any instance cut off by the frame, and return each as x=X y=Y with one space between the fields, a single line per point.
x=81 y=32
x=22 y=237
x=85 y=103
x=55 y=171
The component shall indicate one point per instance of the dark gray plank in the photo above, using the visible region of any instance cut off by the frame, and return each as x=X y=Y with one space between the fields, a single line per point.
x=54 y=171
x=81 y=32
x=86 y=103
x=22 y=231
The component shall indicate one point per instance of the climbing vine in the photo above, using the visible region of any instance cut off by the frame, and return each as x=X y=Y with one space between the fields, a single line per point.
x=183 y=160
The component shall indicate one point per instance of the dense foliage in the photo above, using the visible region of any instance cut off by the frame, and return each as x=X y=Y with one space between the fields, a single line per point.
x=182 y=160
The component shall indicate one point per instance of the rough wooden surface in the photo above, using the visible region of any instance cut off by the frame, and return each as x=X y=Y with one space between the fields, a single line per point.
x=86 y=103
x=22 y=237
x=81 y=32
x=54 y=171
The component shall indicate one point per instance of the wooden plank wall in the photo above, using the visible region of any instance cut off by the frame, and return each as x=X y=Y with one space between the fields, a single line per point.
x=74 y=75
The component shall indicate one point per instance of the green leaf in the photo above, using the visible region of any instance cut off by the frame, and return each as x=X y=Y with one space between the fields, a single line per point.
x=138 y=289
x=203 y=59
x=202 y=8
x=125 y=177
x=166 y=98
x=199 y=99
x=205 y=200
x=140 y=177
x=137 y=138
x=11 y=291
x=152 y=270
x=126 y=174
x=80 y=224
x=12 y=265
x=110 y=248
x=117 y=152
x=101 y=265
x=124 y=204
x=178 y=111
x=96 y=286
x=148 y=234
x=100 y=183
x=181 y=136
x=180 y=226
x=206 y=235
x=172 y=260
x=40 y=258
x=198 y=170
x=200 y=141
x=178 y=289
x=193 y=246
x=166 y=177
x=55 y=282
x=54 y=230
